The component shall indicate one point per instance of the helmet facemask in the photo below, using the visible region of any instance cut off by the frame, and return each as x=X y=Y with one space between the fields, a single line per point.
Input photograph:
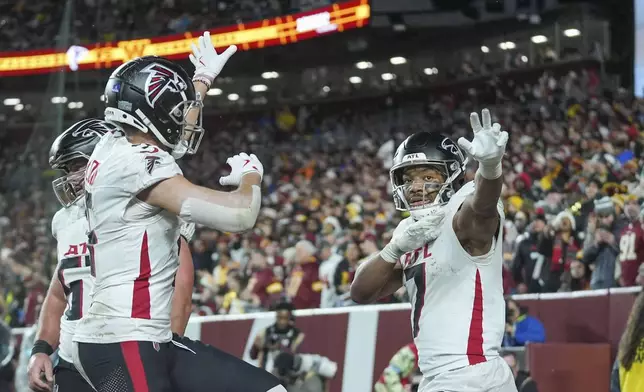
x=422 y=197
x=70 y=187
x=188 y=115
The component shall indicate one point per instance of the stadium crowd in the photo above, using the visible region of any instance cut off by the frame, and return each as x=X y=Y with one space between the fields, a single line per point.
x=31 y=25
x=572 y=195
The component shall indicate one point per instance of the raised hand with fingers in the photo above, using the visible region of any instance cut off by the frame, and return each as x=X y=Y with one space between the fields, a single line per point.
x=208 y=64
x=487 y=146
x=240 y=165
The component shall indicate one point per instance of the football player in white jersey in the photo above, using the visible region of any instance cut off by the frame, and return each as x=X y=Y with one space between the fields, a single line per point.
x=448 y=256
x=135 y=195
x=68 y=296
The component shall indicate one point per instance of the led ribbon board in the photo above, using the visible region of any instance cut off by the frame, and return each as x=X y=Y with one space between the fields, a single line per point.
x=282 y=30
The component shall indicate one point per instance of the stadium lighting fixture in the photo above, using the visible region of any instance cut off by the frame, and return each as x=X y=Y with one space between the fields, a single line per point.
x=507 y=45
x=397 y=60
x=431 y=71
x=572 y=32
x=18 y=107
x=485 y=49
x=270 y=75
x=355 y=79
x=364 y=65
x=258 y=88
x=214 y=91
x=539 y=39
x=326 y=89
x=524 y=59
x=11 y=101
x=387 y=76
x=58 y=99
x=233 y=97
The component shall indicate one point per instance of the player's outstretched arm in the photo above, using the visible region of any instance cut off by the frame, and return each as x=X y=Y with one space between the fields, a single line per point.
x=234 y=211
x=182 y=297
x=476 y=223
x=47 y=336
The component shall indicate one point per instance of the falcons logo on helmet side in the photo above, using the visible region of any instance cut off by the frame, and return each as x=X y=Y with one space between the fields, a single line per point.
x=159 y=80
x=92 y=128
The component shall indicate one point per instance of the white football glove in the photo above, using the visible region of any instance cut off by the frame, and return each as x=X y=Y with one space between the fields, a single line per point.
x=187 y=230
x=207 y=62
x=240 y=165
x=488 y=145
x=414 y=236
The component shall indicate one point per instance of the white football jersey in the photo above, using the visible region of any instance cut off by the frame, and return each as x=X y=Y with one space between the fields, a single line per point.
x=134 y=246
x=69 y=227
x=458 y=309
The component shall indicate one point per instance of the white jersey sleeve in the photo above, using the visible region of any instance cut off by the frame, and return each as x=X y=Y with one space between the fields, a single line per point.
x=56 y=222
x=134 y=167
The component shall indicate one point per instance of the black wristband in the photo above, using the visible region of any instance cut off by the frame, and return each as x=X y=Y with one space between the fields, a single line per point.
x=41 y=346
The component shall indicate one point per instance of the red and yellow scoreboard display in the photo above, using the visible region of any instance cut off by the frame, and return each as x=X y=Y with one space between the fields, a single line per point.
x=282 y=30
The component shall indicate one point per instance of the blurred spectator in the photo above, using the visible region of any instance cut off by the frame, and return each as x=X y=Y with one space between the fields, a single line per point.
x=520 y=327
x=282 y=336
x=303 y=286
x=565 y=246
x=524 y=382
x=601 y=244
x=631 y=246
x=328 y=266
x=264 y=288
x=529 y=268
x=345 y=271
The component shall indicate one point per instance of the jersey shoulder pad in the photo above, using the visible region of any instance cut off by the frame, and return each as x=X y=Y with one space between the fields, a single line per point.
x=152 y=165
x=58 y=221
x=133 y=167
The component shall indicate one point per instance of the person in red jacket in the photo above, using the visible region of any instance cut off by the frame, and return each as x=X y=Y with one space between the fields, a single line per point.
x=303 y=287
x=631 y=246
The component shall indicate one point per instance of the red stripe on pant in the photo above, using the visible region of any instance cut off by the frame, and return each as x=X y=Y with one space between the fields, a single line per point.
x=134 y=365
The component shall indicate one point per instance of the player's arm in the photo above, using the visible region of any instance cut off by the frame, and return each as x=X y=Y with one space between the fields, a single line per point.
x=47 y=337
x=298 y=340
x=52 y=310
x=381 y=274
x=375 y=278
x=234 y=211
x=477 y=221
x=182 y=298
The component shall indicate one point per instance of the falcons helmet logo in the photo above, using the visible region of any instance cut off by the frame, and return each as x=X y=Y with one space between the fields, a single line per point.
x=91 y=128
x=161 y=79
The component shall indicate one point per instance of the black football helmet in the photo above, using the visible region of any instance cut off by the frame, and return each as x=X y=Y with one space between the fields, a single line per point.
x=154 y=94
x=427 y=149
x=70 y=153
